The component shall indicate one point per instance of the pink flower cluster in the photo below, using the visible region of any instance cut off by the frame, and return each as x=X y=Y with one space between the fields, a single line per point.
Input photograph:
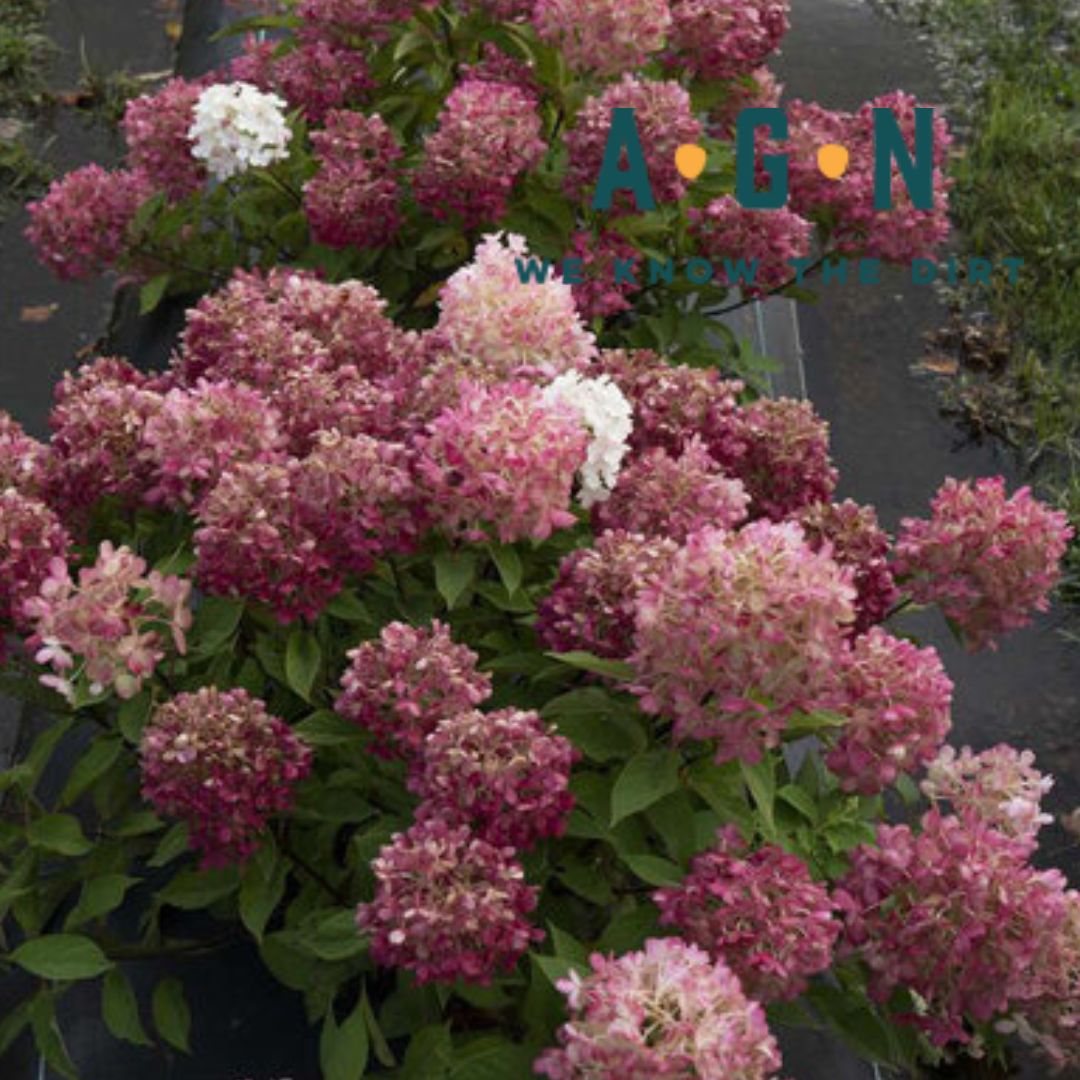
x=31 y=539
x=356 y=21
x=108 y=628
x=505 y=774
x=757 y=90
x=400 y=687
x=219 y=761
x=742 y=630
x=896 y=699
x=23 y=460
x=759 y=912
x=448 y=905
x=987 y=559
x=600 y=295
x=605 y=38
x=721 y=39
x=156 y=130
x=481 y=123
x=665 y=1011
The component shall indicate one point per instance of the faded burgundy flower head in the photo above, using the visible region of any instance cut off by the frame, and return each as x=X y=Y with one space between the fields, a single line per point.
x=402 y=685
x=987 y=559
x=355 y=22
x=31 y=539
x=593 y=603
x=505 y=774
x=156 y=130
x=896 y=700
x=721 y=39
x=667 y=1010
x=760 y=912
x=603 y=37
x=448 y=906
x=742 y=630
x=217 y=760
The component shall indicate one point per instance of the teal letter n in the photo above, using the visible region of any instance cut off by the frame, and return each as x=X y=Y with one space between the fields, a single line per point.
x=917 y=171
x=623 y=136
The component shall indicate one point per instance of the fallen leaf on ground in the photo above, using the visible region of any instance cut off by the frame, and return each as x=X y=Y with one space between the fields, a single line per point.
x=173 y=29
x=38 y=313
x=938 y=365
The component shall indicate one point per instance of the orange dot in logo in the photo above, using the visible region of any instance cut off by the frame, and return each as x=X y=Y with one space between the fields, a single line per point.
x=690 y=160
x=832 y=160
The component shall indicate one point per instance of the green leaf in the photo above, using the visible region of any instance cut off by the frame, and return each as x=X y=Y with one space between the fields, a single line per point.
x=99 y=896
x=383 y=1054
x=558 y=967
x=120 y=1009
x=173 y=844
x=61 y=833
x=91 y=766
x=653 y=870
x=629 y=930
x=597 y=724
x=343 y=1051
x=644 y=780
x=326 y=728
x=796 y=797
x=14 y=1024
x=454 y=573
x=908 y=790
x=47 y=1036
x=491 y=1057
x=261 y=890
x=132 y=716
x=803 y=724
x=216 y=620
x=568 y=946
x=586 y=661
x=151 y=293
x=587 y=883
x=429 y=1054
x=192 y=889
x=172 y=1017
x=62 y=956
x=508 y=562
x=348 y=607
x=761 y=781
x=303 y=658
x=139 y=823
x=333 y=936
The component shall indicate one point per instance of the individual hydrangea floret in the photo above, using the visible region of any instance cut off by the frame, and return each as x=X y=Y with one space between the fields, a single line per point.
x=236 y=127
x=402 y=685
x=605 y=37
x=667 y=1010
x=448 y=906
x=217 y=760
x=759 y=912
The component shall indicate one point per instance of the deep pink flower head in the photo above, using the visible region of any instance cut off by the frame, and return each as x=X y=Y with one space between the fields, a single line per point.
x=762 y=244
x=496 y=66
x=352 y=201
x=601 y=293
x=402 y=685
x=603 y=37
x=31 y=538
x=23 y=460
x=80 y=227
x=497 y=328
x=674 y=403
x=786 y=464
x=665 y=1011
x=661 y=495
x=759 y=912
x=477 y=454
x=195 y=435
x=505 y=774
x=744 y=629
x=219 y=761
x=257 y=540
x=482 y=122
x=448 y=906
x=897 y=700
x=986 y=559
x=857 y=540
x=721 y=39
x=106 y=629
x=1000 y=786
x=356 y=21
x=156 y=129
x=665 y=121
x=593 y=603
x=953 y=913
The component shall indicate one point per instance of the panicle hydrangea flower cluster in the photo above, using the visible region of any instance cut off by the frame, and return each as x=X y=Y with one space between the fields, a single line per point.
x=606 y=37
x=156 y=129
x=401 y=686
x=448 y=905
x=1000 y=786
x=482 y=123
x=987 y=559
x=352 y=201
x=219 y=761
x=667 y=1010
x=496 y=329
x=665 y=120
x=476 y=453
x=721 y=39
x=955 y=914
x=762 y=244
x=593 y=603
x=80 y=227
x=356 y=21
x=662 y=495
x=504 y=774
x=23 y=460
x=785 y=464
x=606 y=415
x=896 y=701
x=856 y=540
x=108 y=627
x=759 y=912
x=743 y=630
x=236 y=127
x=599 y=295
x=31 y=538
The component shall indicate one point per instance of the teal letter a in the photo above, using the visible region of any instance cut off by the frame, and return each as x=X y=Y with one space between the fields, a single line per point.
x=623 y=135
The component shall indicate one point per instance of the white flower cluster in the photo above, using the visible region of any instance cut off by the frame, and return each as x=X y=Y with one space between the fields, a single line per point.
x=237 y=126
x=608 y=416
